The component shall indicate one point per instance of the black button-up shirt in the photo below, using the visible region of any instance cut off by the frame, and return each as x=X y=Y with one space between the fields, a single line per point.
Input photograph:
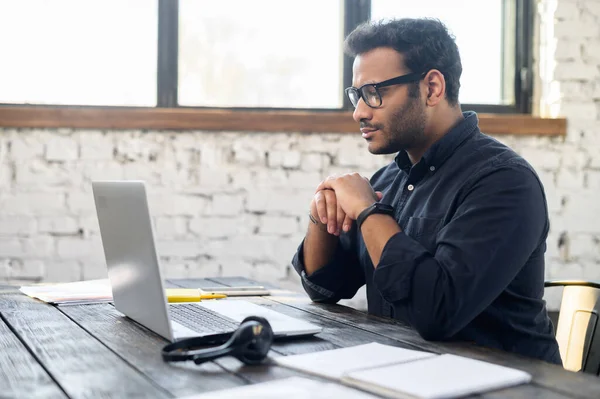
x=469 y=262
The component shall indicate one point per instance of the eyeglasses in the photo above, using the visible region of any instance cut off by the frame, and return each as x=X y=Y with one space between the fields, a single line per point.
x=370 y=92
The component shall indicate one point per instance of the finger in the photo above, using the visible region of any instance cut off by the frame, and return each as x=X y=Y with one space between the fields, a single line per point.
x=331 y=211
x=326 y=184
x=347 y=223
x=379 y=195
x=321 y=205
x=341 y=215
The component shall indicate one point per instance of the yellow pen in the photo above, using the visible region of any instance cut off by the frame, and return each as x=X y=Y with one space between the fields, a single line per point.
x=189 y=295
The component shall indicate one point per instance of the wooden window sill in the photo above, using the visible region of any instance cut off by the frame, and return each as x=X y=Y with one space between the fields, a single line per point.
x=238 y=120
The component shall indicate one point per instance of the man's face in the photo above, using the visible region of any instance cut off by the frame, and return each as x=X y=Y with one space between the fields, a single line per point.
x=399 y=124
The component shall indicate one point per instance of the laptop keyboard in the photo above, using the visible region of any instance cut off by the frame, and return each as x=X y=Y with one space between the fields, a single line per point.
x=201 y=320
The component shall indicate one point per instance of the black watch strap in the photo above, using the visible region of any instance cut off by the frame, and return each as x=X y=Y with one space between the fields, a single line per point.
x=377 y=207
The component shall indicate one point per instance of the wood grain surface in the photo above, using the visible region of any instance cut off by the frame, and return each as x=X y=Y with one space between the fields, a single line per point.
x=230 y=120
x=90 y=351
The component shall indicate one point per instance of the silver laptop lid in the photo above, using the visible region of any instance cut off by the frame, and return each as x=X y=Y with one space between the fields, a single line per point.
x=130 y=252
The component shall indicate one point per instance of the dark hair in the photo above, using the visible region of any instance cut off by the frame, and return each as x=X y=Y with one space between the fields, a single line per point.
x=424 y=43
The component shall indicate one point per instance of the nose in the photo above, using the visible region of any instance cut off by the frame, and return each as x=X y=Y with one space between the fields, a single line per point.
x=362 y=111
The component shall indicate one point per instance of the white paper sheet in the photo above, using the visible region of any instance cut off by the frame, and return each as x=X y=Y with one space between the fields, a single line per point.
x=288 y=388
x=335 y=363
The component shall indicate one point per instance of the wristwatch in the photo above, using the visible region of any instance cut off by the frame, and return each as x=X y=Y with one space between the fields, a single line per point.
x=377 y=207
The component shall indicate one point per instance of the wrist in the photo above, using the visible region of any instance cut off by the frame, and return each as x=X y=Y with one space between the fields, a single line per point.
x=375 y=208
x=363 y=207
x=317 y=223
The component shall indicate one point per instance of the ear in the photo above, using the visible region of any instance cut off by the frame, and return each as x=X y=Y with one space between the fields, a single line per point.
x=436 y=87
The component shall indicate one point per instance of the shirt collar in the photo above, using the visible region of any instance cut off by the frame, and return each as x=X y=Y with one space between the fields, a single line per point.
x=437 y=154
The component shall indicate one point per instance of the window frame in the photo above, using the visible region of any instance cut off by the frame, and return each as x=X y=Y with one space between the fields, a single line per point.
x=167 y=114
x=168 y=54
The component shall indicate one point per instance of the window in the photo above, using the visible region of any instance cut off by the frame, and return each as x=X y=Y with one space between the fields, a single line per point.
x=479 y=41
x=239 y=53
x=495 y=47
x=260 y=53
x=100 y=52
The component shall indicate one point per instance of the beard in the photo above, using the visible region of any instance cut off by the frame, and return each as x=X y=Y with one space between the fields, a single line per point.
x=405 y=129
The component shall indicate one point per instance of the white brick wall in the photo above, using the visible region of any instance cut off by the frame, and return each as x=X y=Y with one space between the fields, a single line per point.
x=221 y=203
x=570 y=43
x=235 y=203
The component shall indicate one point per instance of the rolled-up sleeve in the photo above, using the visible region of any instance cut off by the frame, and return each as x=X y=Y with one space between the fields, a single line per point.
x=500 y=221
x=339 y=279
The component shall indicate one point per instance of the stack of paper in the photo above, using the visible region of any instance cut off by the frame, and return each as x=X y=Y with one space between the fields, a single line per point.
x=91 y=291
x=288 y=388
x=98 y=291
x=397 y=373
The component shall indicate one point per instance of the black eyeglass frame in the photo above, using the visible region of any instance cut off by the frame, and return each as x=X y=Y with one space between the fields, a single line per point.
x=408 y=78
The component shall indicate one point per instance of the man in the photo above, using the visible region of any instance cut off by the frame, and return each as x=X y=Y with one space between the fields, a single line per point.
x=450 y=237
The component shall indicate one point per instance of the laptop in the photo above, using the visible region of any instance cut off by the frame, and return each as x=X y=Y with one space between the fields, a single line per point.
x=137 y=285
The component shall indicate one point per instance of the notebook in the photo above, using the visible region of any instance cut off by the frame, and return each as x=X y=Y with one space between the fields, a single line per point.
x=288 y=388
x=335 y=363
x=443 y=376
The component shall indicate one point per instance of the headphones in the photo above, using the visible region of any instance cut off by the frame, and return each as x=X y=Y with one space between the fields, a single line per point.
x=249 y=343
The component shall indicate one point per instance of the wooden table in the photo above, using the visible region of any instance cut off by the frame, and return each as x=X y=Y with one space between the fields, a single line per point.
x=92 y=351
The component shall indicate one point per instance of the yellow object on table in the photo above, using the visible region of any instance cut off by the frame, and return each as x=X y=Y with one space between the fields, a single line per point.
x=189 y=295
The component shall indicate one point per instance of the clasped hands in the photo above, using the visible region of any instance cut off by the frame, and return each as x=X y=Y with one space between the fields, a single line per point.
x=339 y=199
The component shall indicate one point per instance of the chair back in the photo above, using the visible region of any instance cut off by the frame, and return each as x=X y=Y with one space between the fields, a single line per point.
x=578 y=329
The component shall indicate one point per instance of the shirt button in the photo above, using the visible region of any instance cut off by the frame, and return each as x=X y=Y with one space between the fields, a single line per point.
x=432 y=168
x=410 y=187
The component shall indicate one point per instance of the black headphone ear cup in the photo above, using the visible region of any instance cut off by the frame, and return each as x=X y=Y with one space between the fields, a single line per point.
x=259 y=335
